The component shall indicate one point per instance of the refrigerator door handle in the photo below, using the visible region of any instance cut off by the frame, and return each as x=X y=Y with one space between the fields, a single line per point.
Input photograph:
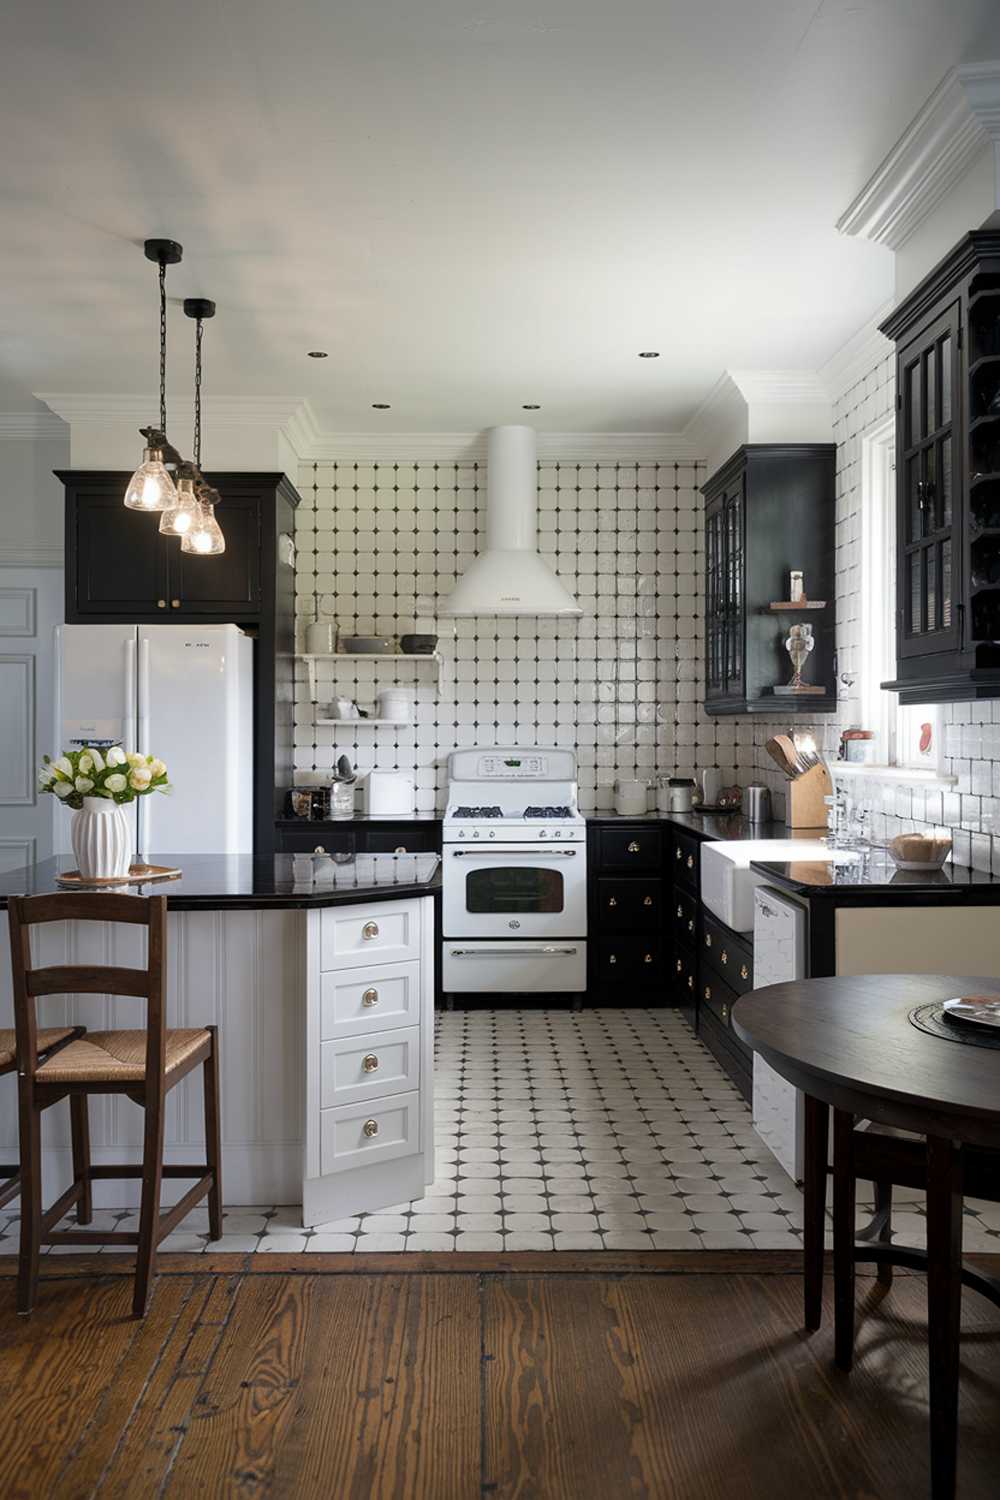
x=128 y=717
x=143 y=746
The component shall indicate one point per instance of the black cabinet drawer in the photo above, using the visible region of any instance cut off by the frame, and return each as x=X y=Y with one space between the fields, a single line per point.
x=629 y=905
x=687 y=861
x=684 y=979
x=636 y=962
x=720 y=1042
x=400 y=840
x=312 y=838
x=715 y=995
x=635 y=848
x=729 y=955
x=684 y=917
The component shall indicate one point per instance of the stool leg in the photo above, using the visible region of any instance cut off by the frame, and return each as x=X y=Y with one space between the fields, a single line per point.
x=944 y=1307
x=213 y=1137
x=79 y=1121
x=844 y=1186
x=817 y=1135
x=149 y=1212
x=883 y=1205
x=31 y=1199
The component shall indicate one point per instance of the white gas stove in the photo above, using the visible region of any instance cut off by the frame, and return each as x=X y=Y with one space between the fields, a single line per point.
x=515 y=873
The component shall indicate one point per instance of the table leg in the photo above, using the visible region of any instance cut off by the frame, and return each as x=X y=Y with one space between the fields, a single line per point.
x=944 y=1306
x=817 y=1136
x=844 y=1193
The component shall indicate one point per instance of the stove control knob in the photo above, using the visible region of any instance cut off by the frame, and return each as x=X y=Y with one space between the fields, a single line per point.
x=461 y=833
x=557 y=835
x=542 y=834
x=493 y=833
x=476 y=834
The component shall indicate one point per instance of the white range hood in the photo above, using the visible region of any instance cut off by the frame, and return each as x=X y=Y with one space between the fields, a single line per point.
x=509 y=577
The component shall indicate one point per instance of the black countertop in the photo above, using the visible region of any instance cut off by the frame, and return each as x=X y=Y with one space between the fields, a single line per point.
x=875 y=873
x=719 y=827
x=238 y=882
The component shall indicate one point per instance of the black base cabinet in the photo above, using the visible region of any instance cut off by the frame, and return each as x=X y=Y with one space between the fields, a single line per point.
x=300 y=836
x=725 y=972
x=629 y=942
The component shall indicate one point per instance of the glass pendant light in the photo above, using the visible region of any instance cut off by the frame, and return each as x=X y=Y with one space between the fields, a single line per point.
x=151 y=487
x=202 y=535
x=204 y=538
x=178 y=520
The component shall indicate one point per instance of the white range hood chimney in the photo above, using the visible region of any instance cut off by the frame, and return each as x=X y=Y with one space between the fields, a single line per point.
x=509 y=577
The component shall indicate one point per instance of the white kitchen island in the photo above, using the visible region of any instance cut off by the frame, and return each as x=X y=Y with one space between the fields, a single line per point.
x=320 y=977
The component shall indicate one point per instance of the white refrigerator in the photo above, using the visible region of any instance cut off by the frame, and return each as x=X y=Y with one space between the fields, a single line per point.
x=183 y=693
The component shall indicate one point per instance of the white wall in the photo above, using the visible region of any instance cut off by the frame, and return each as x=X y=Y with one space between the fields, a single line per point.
x=31 y=498
x=969 y=203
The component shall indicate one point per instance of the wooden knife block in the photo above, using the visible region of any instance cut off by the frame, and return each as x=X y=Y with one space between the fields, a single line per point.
x=804 y=804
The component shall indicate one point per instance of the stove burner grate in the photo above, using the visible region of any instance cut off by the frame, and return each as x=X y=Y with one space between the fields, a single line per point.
x=548 y=812
x=478 y=812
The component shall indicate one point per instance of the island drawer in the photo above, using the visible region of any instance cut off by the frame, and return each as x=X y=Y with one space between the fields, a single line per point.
x=369 y=1067
x=357 y=1135
x=388 y=931
x=377 y=998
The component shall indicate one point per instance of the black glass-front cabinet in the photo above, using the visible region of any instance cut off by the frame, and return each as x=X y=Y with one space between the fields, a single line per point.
x=770 y=509
x=947 y=335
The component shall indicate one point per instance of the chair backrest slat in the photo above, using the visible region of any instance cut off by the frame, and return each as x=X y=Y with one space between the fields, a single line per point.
x=68 y=979
x=24 y=912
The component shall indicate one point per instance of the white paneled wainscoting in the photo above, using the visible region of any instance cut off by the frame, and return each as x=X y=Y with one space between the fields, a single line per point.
x=240 y=970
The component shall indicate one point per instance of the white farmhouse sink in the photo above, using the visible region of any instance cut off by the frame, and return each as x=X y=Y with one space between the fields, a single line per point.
x=727 y=881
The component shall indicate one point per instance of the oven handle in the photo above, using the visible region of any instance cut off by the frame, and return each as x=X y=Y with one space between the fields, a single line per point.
x=511 y=952
x=533 y=853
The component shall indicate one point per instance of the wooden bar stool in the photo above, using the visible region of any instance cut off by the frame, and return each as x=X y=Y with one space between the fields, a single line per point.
x=142 y=1064
x=50 y=1039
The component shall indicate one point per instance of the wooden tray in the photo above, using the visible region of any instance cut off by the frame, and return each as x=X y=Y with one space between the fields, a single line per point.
x=137 y=875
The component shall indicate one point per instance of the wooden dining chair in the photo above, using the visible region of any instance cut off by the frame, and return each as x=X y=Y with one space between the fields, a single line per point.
x=50 y=1040
x=143 y=1064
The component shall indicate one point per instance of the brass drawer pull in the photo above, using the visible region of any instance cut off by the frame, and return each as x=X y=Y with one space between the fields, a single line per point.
x=161 y=603
x=708 y=940
x=370 y=997
x=633 y=847
x=648 y=959
x=648 y=901
x=744 y=972
x=175 y=604
x=678 y=854
x=400 y=849
x=725 y=1012
x=708 y=992
x=680 y=965
x=680 y=911
x=370 y=1128
x=369 y=931
x=690 y=981
x=724 y=956
x=690 y=861
x=612 y=900
x=613 y=959
x=691 y=924
x=369 y=1062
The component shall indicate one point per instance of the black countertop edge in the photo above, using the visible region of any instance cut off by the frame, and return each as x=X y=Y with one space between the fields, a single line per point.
x=329 y=825
x=240 y=883
x=713 y=826
x=876 y=875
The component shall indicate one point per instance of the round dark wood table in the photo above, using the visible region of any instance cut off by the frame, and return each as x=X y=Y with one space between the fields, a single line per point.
x=849 y=1044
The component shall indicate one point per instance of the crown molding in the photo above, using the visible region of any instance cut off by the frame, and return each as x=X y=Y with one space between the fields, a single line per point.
x=137 y=409
x=934 y=152
x=790 y=387
x=30 y=426
x=858 y=357
x=451 y=447
x=48 y=555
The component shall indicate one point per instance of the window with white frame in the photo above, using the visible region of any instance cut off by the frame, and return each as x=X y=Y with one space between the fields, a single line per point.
x=909 y=737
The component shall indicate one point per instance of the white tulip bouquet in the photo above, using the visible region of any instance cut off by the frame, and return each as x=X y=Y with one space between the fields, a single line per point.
x=114 y=773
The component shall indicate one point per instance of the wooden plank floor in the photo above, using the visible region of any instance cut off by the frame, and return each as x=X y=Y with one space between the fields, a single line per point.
x=679 y=1376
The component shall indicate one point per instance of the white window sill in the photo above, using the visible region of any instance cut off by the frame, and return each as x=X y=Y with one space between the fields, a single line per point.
x=899 y=775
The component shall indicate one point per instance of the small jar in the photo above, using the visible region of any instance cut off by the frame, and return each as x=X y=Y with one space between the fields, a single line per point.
x=342 y=799
x=680 y=794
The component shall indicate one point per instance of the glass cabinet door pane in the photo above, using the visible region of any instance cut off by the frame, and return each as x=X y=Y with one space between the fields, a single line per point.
x=916 y=594
x=944 y=468
x=930 y=387
x=945 y=584
x=945 y=371
x=930 y=491
x=930 y=611
x=914 y=490
x=911 y=403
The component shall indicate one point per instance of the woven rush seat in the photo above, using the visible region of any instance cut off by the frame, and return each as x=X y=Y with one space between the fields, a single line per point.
x=48 y=1036
x=117 y=1056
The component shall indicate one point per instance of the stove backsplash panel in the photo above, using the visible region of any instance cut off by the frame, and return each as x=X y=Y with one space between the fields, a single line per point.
x=382 y=543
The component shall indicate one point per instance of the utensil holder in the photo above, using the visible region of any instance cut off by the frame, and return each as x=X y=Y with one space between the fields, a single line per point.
x=804 y=804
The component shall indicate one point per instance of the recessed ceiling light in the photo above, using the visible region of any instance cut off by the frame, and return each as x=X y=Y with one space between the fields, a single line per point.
x=531 y=406
x=381 y=406
x=649 y=354
x=318 y=354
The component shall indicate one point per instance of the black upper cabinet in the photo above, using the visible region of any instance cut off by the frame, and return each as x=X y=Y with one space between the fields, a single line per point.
x=119 y=567
x=769 y=509
x=947 y=335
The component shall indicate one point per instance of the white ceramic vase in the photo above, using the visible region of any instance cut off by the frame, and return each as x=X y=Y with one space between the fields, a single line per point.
x=101 y=840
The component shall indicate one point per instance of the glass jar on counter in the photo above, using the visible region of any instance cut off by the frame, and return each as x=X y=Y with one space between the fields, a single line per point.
x=342 y=799
x=675 y=794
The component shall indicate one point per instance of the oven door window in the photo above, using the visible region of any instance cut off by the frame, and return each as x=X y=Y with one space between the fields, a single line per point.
x=514 y=890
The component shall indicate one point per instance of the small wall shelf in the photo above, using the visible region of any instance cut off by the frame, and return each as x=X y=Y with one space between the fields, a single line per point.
x=312 y=657
x=795 y=604
x=371 y=723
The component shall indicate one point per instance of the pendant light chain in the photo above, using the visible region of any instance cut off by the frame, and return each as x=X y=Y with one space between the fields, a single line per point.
x=199 y=331
x=163 y=344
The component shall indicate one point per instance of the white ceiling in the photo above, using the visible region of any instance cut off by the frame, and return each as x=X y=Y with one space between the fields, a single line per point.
x=469 y=203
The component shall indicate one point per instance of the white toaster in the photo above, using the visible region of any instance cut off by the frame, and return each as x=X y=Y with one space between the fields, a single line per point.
x=389 y=794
